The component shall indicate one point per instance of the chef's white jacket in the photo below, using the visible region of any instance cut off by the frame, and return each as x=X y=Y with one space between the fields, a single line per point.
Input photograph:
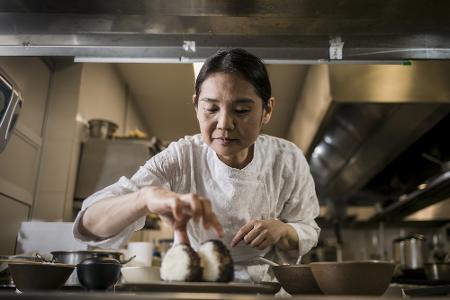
x=276 y=184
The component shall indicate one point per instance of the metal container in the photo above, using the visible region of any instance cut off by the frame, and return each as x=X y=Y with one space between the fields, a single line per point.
x=438 y=271
x=409 y=251
x=75 y=257
x=102 y=129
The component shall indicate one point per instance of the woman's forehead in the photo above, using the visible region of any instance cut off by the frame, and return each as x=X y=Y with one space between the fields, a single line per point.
x=227 y=85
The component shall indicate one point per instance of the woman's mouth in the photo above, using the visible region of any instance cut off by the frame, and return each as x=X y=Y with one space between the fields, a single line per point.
x=225 y=141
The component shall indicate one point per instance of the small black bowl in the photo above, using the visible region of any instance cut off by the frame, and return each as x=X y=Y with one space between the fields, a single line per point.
x=98 y=273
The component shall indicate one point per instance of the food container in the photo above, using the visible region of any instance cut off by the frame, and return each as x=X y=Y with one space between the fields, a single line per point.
x=297 y=279
x=98 y=273
x=75 y=257
x=409 y=252
x=369 y=278
x=32 y=276
x=438 y=271
x=102 y=129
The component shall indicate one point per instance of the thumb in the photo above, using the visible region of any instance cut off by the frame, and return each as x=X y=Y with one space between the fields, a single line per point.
x=182 y=236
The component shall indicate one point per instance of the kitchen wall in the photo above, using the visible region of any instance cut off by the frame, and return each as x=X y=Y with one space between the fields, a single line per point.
x=103 y=95
x=38 y=167
x=81 y=92
x=19 y=163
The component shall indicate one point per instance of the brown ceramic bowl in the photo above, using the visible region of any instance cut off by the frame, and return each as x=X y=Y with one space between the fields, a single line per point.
x=297 y=279
x=32 y=276
x=353 y=277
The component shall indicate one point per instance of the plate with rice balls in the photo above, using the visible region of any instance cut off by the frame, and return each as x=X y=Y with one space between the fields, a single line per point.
x=209 y=270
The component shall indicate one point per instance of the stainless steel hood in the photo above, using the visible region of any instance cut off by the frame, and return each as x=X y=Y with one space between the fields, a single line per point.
x=353 y=120
x=272 y=29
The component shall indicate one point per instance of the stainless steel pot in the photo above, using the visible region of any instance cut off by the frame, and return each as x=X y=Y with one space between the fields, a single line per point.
x=75 y=257
x=438 y=271
x=102 y=129
x=409 y=252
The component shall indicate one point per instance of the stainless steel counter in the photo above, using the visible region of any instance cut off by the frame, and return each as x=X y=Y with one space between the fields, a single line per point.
x=167 y=296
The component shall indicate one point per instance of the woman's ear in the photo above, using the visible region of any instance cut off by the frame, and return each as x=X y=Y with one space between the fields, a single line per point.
x=193 y=102
x=268 y=110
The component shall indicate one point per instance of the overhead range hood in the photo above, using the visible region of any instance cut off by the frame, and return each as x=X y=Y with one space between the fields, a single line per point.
x=353 y=120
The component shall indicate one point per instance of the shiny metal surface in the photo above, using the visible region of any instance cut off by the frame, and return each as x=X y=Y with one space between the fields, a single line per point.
x=375 y=113
x=409 y=252
x=288 y=29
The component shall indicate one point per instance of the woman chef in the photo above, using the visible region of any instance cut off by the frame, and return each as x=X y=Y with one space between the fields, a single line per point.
x=252 y=190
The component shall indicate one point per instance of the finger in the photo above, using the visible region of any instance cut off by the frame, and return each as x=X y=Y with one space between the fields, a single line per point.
x=250 y=236
x=259 y=239
x=207 y=213
x=196 y=207
x=241 y=233
x=264 y=245
x=177 y=209
x=182 y=236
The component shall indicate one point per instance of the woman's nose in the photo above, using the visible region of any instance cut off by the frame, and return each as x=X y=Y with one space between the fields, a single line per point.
x=225 y=122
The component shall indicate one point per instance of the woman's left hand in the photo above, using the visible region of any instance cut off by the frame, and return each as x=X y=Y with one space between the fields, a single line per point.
x=260 y=234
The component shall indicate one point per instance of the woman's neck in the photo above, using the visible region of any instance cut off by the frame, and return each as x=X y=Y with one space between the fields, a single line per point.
x=239 y=160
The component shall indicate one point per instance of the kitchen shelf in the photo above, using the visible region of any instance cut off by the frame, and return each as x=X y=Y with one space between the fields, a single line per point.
x=433 y=191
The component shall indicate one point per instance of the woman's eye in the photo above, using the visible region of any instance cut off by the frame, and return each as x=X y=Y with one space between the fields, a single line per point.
x=242 y=111
x=211 y=109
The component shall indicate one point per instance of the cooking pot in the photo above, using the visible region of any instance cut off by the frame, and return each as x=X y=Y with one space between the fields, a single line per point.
x=102 y=129
x=76 y=257
x=409 y=252
x=438 y=271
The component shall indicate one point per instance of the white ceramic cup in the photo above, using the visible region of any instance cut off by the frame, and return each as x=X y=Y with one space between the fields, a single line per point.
x=143 y=252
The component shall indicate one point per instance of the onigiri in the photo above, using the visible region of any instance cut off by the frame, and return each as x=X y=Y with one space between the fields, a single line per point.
x=216 y=262
x=181 y=263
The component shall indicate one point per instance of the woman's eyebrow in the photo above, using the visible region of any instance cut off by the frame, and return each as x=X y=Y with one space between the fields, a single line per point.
x=238 y=101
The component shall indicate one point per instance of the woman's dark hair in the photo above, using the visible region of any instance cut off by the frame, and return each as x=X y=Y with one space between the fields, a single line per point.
x=240 y=62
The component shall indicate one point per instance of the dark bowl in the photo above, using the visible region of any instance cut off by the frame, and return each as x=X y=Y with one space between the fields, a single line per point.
x=353 y=277
x=32 y=276
x=98 y=273
x=297 y=279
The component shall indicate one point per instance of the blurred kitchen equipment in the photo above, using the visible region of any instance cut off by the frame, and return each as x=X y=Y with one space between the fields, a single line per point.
x=103 y=162
x=143 y=252
x=76 y=257
x=140 y=275
x=353 y=277
x=438 y=271
x=29 y=276
x=445 y=165
x=409 y=252
x=98 y=273
x=10 y=106
x=102 y=129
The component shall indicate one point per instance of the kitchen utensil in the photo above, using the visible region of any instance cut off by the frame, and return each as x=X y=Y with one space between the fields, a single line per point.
x=143 y=252
x=353 y=277
x=75 y=257
x=295 y=279
x=98 y=273
x=29 y=276
x=409 y=252
x=103 y=129
x=438 y=271
x=140 y=275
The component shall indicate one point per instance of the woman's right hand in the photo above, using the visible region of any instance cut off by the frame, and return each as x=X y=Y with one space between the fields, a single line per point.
x=177 y=209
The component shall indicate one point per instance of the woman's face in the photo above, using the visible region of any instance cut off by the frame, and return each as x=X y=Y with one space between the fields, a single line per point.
x=231 y=115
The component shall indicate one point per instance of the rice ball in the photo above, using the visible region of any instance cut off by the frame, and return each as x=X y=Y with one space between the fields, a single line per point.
x=216 y=262
x=181 y=263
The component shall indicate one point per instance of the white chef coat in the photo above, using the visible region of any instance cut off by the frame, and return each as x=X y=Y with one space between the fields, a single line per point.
x=276 y=184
